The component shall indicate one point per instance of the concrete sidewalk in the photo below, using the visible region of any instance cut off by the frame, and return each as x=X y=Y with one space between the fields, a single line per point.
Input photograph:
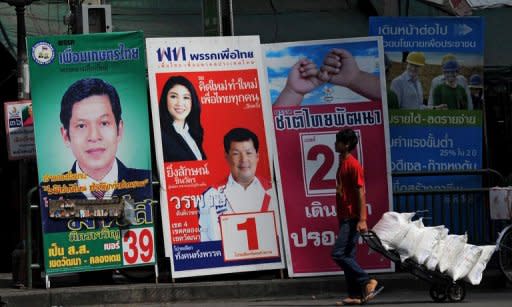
x=69 y=291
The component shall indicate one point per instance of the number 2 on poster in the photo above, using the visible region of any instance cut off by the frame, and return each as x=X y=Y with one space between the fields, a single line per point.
x=319 y=162
x=318 y=180
x=138 y=246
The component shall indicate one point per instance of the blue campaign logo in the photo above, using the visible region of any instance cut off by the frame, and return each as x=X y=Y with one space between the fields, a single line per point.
x=462 y=34
x=171 y=54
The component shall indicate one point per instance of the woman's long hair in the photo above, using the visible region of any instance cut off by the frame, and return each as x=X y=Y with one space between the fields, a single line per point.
x=193 y=120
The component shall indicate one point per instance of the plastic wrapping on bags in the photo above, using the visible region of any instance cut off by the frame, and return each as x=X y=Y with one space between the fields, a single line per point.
x=407 y=246
x=428 y=243
x=474 y=276
x=433 y=247
x=465 y=261
x=453 y=247
x=392 y=228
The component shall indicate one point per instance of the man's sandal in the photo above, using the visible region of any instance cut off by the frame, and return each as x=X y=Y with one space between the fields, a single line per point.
x=372 y=289
x=349 y=301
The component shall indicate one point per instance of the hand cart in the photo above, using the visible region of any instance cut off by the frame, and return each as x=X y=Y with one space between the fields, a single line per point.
x=442 y=286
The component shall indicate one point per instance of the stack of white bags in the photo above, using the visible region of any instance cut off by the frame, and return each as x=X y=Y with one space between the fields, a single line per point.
x=433 y=247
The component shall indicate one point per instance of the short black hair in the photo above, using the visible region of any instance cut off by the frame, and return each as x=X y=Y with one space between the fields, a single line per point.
x=347 y=137
x=240 y=135
x=84 y=88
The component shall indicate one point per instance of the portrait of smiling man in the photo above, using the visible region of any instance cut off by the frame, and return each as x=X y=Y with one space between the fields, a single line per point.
x=92 y=127
x=243 y=191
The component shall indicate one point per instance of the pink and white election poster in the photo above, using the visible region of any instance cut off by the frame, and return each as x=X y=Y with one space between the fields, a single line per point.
x=308 y=113
x=213 y=132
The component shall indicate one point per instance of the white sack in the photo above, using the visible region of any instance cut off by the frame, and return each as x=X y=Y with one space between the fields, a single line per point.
x=475 y=275
x=453 y=247
x=433 y=260
x=427 y=244
x=392 y=227
x=465 y=261
x=407 y=246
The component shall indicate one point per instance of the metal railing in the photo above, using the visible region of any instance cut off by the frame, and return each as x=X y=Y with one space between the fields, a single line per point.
x=462 y=210
x=28 y=240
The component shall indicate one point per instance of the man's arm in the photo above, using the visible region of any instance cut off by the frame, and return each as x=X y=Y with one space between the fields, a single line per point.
x=437 y=96
x=396 y=89
x=302 y=79
x=361 y=225
x=466 y=99
x=470 y=99
x=468 y=95
x=433 y=85
x=340 y=68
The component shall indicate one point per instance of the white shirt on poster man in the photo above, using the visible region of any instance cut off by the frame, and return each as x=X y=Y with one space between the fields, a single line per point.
x=232 y=198
x=243 y=191
x=110 y=177
x=408 y=91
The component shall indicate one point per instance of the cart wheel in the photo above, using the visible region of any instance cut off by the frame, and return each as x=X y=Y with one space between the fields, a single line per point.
x=438 y=293
x=505 y=252
x=456 y=292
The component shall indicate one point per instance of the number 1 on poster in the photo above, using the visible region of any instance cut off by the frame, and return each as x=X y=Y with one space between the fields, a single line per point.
x=249 y=236
x=249 y=226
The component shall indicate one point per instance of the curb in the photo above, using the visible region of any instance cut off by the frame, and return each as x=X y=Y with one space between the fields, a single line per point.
x=125 y=293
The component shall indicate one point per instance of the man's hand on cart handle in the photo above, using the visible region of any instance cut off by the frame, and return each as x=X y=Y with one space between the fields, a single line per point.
x=361 y=226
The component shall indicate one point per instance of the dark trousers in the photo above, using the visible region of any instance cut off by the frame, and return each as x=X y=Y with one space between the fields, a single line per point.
x=344 y=254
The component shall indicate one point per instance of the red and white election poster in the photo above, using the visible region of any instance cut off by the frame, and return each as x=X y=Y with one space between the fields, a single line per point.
x=213 y=129
x=308 y=113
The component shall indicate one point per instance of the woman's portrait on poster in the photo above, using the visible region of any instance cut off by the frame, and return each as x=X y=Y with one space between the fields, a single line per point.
x=180 y=121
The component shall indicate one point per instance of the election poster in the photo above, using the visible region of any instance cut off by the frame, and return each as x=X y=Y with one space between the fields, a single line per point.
x=93 y=152
x=307 y=114
x=435 y=97
x=213 y=137
x=19 y=129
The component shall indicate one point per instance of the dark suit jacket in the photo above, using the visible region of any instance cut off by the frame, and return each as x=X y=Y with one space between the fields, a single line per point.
x=124 y=173
x=175 y=147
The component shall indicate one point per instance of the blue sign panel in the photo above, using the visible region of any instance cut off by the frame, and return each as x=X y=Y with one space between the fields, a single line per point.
x=446 y=34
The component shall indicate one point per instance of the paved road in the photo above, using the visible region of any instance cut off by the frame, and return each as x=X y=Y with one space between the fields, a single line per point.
x=402 y=298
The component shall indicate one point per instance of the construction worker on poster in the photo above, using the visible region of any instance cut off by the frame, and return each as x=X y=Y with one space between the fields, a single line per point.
x=407 y=86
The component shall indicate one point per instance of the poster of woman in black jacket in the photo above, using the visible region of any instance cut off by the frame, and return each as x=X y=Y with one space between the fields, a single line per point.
x=180 y=113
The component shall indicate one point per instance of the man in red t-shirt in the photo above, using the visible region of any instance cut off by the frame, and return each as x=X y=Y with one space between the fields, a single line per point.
x=351 y=212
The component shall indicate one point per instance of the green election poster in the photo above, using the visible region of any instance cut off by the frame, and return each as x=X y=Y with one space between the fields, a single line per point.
x=93 y=150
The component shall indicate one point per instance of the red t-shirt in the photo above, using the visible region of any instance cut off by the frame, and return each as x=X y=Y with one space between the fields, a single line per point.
x=351 y=177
